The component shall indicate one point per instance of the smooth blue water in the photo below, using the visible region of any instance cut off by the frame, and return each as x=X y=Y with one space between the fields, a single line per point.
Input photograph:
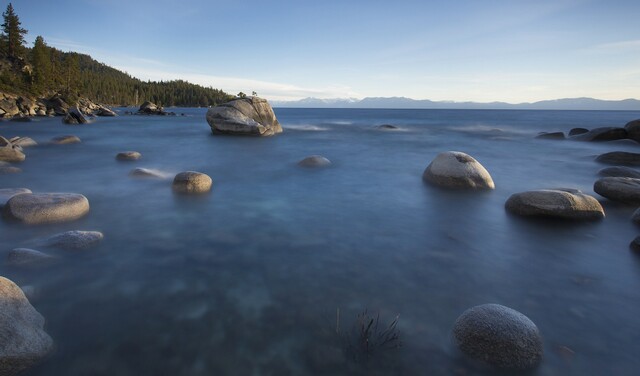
x=247 y=280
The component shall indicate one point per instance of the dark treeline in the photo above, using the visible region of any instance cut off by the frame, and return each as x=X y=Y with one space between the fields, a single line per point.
x=42 y=71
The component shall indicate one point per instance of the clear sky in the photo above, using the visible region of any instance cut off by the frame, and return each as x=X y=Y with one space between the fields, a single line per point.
x=480 y=50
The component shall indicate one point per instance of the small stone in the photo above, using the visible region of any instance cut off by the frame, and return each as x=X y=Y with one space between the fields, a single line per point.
x=499 y=336
x=63 y=140
x=189 y=182
x=314 y=161
x=128 y=156
x=457 y=170
x=75 y=240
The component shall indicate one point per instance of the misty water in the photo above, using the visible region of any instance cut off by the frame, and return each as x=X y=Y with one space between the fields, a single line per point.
x=248 y=280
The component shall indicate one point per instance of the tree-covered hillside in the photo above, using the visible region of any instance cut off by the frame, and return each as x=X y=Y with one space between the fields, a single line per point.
x=42 y=71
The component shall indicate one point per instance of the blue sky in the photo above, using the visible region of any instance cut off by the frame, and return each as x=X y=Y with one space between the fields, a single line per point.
x=491 y=50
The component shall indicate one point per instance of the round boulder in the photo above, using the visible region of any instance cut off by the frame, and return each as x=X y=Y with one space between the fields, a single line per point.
x=314 y=161
x=251 y=116
x=192 y=182
x=626 y=190
x=620 y=171
x=454 y=169
x=75 y=240
x=7 y=193
x=499 y=336
x=24 y=342
x=28 y=257
x=67 y=139
x=40 y=208
x=633 y=129
x=128 y=156
x=577 y=131
x=559 y=203
x=620 y=158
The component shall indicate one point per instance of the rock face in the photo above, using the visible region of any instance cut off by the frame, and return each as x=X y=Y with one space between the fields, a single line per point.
x=499 y=336
x=75 y=116
x=40 y=208
x=314 y=161
x=633 y=129
x=454 y=169
x=620 y=171
x=602 y=134
x=128 y=156
x=7 y=193
x=67 y=139
x=190 y=182
x=24 y=342
x=626 y=190
x=10 y=152
x=75 y=240
x=560 y=203
x=28 y=257
x=620 y=158
x=251 y=116
x=551 y=136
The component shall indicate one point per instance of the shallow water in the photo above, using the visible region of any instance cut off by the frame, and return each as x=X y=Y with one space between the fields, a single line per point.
x=247 y=280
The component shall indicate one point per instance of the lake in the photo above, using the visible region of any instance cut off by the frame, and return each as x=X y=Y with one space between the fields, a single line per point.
x=255 y=277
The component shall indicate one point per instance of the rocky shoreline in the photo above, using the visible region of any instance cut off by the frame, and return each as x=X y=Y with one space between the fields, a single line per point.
x=19 y=107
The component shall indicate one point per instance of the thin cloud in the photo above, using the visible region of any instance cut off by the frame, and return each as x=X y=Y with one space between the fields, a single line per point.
x=621 y=46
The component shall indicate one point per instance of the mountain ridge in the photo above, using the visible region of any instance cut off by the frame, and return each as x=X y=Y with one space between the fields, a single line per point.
x=580 y=103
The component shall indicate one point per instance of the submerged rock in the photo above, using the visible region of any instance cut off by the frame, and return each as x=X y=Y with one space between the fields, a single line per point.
x=499 y=336
x=7 y=193
x=560 y=203
x=251 y=116
x=620 y=158
x=40 y=208
x=387 y=127
x=577 y=131
x=10 y=152
x=626 y=190
x=24 y=342
x=633 y=129
x=602 y=134
x=28 y=257
x=75 y=240
x=454 y=169
x=314 y=161
x=147 y=173
x=128 y=156
x=551 y=136
x=67 y=139
x=190 y=182
x=620 y=171
x=9 y=170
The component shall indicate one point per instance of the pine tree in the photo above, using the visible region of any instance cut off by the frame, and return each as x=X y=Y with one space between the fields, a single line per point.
x=42 y=70
x=12 y=34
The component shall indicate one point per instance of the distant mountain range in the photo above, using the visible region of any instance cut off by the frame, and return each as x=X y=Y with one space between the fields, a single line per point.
x=408 y=103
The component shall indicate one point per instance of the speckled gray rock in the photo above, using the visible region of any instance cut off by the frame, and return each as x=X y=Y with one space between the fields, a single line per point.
x=251 y=116
x=147 y=173
x=620 y=171
x=28 y=257
x=75 y=240
x=560 y=203
x=454 y=169
x=626 y=190
x=7 y=193
x=633 y=129
x=128 y=156
x=620 y=158
x=499 y=336
x=40 y=208
x=24 y=342
x=67 y=139
x=190 y=182
x=314 y=161
x=10 y=152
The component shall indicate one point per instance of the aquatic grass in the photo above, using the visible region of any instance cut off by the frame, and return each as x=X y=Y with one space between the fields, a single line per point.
x=368 y=338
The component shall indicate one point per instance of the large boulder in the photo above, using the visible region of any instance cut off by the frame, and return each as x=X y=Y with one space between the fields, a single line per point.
x=150 y=108
x=40 y=208
x=620 y=158
x=559 y=203
x=499 y=336
x=454 y=169
x=7 y=193
x=551 y=136
x=75 y=116
x=190 y=182
x=24 y=341
x=633 y=129
x=251 y=116
x=104 y=111
x=10 y=152
x=57 y=106
x=626 y=190
x=602 y=134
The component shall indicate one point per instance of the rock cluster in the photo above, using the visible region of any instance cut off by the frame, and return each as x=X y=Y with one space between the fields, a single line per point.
x=149 y=108
x=19 y=107
x=250 y=116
